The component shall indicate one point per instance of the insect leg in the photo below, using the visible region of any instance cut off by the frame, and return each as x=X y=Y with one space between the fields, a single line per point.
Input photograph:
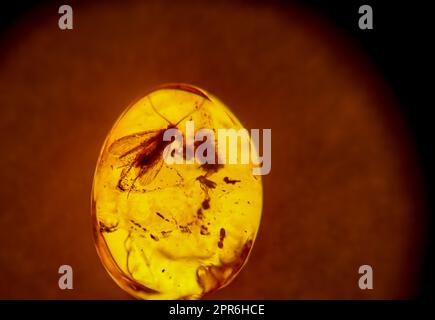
x=155 y=110
x=191 y=112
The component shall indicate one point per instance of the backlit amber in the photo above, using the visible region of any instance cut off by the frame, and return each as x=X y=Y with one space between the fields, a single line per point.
x=173 y=231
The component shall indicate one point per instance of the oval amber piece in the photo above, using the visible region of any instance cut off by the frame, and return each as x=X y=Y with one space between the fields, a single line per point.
x=172 y=231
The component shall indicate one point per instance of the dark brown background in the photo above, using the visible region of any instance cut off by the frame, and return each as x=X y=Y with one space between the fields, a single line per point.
x=344 y=188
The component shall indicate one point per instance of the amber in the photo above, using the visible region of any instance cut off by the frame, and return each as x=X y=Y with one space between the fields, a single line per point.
x=172 y=231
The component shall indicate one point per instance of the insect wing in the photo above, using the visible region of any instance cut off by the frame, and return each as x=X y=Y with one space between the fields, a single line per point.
x=135 y=178
x=142 y=162
x=150 y=173
x=129 y=146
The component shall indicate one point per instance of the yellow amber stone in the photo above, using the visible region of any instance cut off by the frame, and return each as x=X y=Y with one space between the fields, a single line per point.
x=172 y=231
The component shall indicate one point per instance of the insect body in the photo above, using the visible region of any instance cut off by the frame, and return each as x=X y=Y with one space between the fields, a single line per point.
x=141 y=153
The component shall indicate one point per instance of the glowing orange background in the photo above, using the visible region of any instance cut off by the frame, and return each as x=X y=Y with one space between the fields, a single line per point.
x=344 y=188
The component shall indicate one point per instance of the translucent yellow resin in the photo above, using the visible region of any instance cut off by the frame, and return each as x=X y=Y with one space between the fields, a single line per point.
x=174 y=231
